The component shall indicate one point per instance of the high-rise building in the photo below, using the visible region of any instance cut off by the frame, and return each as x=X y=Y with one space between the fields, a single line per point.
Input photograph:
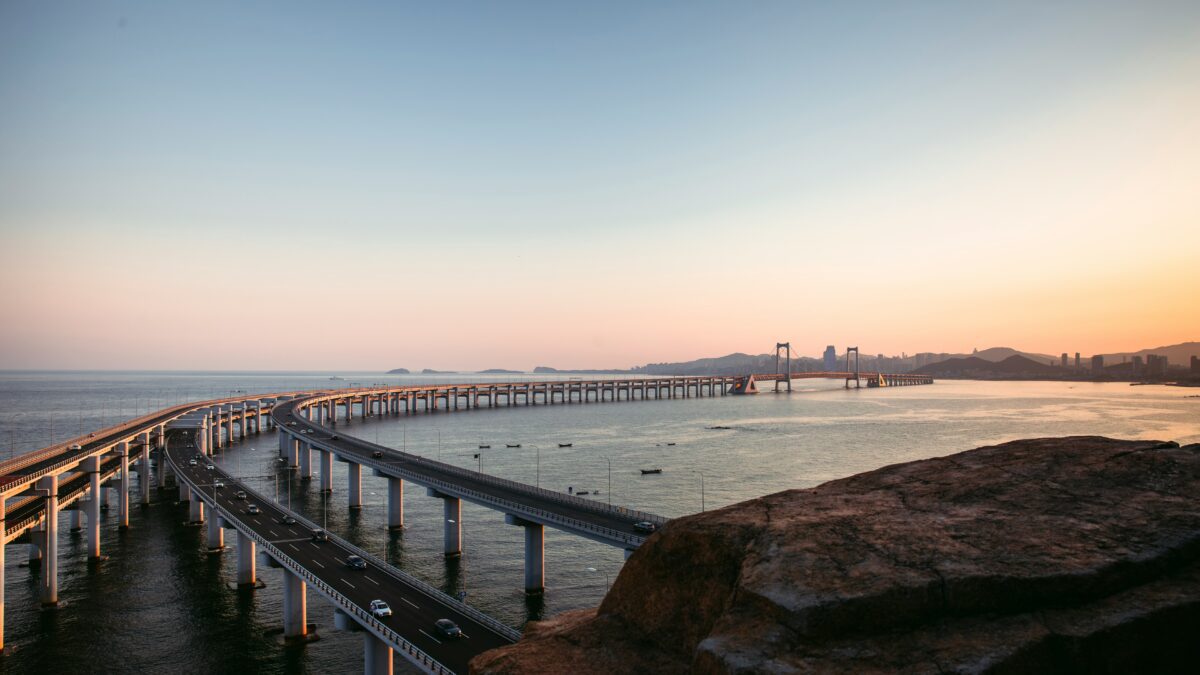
x=830 y=359
x=1064 y=359
x=1077 y=365
x=1156 y=366
x=1196 y=365
x=1136 y=365
x=1097 y=364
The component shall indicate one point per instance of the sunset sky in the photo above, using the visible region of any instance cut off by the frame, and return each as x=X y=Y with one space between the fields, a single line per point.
x=370 y=186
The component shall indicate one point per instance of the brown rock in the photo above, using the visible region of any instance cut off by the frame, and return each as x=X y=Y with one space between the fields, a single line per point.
x=1073 y=554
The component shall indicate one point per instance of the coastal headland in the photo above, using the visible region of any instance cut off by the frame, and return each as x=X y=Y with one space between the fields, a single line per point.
x=1075 y=554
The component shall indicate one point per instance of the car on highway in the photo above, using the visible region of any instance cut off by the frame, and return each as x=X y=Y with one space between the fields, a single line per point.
x=335 y=437
x=356 y=563
x=292 y=423
x=645 y=526
x=320 y=535
x=378 y=454
x=448 y=628
x=211 y=467
x=218 y=485
x=380 y=609
x=74 y=446
x=253 y=509
x=240 y=494
x=191 y=462
x=288 y=520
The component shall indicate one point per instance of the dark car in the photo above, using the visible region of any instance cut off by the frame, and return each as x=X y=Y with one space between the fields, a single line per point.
x=252 y=509
x=378 y=454
x=320 y=535
x=335 y=437
x=241 y=494
x=288 y=520
x=645 y=526
x=448 y=628
x=356 y=563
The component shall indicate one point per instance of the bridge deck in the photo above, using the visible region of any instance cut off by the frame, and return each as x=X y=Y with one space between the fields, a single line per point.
x=415 y=607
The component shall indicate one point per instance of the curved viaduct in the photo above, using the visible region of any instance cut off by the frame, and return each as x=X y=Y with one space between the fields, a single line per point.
x=74 y=475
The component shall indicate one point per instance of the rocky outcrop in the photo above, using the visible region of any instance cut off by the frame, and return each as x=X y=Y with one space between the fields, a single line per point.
x=1073 y=554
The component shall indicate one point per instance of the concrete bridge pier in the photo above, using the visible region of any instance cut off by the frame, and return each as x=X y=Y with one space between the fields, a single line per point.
x=451 y=522
x=284 y=440
x=37 y=544
x=535 y=554
x=246 y=573
x=202 y=443
x=216 y=534
x=293 y=452
x=326 y=460
x=3 y=528
x=185 y=493
x=195 y=510
x=377 y=656
x=305 y=461
x=295 y=606
x=91 y=466
x=49 y=580
x=355 y=485
x=76 y=520
x=144 y=470
x=395 y=508
x=123 y=487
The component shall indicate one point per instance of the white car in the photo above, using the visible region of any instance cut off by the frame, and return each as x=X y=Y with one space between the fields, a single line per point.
x=380 y=609
x=74 y=446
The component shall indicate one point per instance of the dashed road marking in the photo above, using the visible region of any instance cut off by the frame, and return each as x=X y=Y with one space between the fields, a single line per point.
x=347 y=583
x=294 y=548
x=318 y=564
x=429 y=636
x=411 y=603
x=372 y=581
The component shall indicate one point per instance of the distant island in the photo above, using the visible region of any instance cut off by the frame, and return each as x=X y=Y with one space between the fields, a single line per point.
x=431 y=371
x=398 y=371
x=497 y=371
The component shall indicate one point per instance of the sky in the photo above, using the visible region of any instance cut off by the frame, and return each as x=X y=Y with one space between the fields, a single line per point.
x=506 y=185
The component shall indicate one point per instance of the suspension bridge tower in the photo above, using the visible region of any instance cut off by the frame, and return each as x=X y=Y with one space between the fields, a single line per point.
x=786 y=347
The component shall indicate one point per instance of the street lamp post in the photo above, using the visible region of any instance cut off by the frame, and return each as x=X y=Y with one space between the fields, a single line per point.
x=609 y=480
x=701 y=490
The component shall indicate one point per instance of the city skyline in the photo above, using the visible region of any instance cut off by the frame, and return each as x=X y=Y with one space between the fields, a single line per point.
x=476 y=187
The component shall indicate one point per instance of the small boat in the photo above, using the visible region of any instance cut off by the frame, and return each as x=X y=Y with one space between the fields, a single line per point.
x=646 y=471
x=718 y=427
x=512 y=446
x=485 y=447
x=670 y=444
x=565 y=445
x=582 y=493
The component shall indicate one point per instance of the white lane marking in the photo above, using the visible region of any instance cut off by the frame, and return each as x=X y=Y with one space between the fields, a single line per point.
x=272 y=533
x=411 y=603
x=294 y=548
x=347 y=583
x=429 y=636
x=372 y=581
x=318 y=564
x=463 y=634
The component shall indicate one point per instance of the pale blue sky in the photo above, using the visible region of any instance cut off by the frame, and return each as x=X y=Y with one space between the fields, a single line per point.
x=546 y=155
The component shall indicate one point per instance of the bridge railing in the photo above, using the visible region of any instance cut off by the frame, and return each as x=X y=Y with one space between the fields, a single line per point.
x=397 y=642
x=13 y=528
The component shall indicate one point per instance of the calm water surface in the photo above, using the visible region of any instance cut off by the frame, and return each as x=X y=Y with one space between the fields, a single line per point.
x=160 y=603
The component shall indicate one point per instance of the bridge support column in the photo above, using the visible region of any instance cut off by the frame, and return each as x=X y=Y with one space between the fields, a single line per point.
x=377 y=656
x=284 y=439
x=305 y=461
x=326 y=471
x=91 y=466
x=37 y=544
x=295 y=606
x=195 y=510
x=216 y=535
x=202 y=438
x=451 y=522
x=49 y=580
x=355 y=485
x=144 y=471
x=123 y=483
x=535 y=554
x=395 y=503
x=185 y=493
x=293 y=452
x=246 y=575
x=2 y=575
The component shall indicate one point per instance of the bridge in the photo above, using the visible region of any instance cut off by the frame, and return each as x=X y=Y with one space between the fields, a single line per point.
x=73 y=476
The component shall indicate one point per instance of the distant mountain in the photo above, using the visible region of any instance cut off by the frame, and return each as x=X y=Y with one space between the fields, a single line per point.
x=431 y=371
x=497 y=371
x=398 y=371
x=1180 y=354
x=1016 y=366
